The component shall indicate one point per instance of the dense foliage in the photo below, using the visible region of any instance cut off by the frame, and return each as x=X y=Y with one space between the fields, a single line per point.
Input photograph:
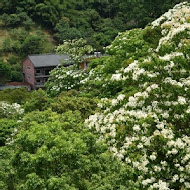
x=97 y=21
x=123 y=124
x=53 y=150
x=36 y=26
x=145 y=109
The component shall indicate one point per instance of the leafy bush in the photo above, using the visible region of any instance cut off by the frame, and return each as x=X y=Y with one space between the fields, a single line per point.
x=11 y=20
x=32 y=45
x=80 y=161
x=8 y=128
x=64 y=103
x=65 y=32
x=13 y=60
x=7 y=45
x=38 y=101
x=5 y=70
x=19 y=95
x=16 y=19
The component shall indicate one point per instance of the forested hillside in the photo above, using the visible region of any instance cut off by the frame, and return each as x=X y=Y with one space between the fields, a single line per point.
x=16 y=44
x=36 y=26
x=122 y=125
x=98 y=21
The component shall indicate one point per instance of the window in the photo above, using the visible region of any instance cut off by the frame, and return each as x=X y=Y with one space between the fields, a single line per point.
x=28 y=76
x=28 y=67
x=38 y=72
x=38 y=81
x=47 y=71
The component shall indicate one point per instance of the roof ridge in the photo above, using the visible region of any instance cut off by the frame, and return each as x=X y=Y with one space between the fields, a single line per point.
x=42 y=54
x=41 y=60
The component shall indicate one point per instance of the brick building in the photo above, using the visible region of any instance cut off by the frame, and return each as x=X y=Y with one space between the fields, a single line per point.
x=36 y=68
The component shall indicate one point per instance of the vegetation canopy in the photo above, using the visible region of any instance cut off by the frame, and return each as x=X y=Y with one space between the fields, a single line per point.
x=122 y=124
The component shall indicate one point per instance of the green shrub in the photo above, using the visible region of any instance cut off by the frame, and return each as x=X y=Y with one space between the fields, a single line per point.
x=7 y=45
x=19 y=95
x=5 y=71
x=8 y=128
x=86 y=106
x=38 y=101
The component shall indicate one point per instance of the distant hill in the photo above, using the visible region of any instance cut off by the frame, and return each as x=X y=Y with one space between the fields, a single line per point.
x=95 y=20
x=17 y=42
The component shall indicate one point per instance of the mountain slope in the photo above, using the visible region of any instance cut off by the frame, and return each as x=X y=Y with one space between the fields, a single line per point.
x=17 y=43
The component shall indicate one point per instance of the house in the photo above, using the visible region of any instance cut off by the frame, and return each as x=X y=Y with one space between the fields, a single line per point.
x=36 y=68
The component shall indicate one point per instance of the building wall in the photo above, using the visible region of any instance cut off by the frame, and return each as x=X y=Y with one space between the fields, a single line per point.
x=32 y=77
x=84 y=65
x=41 y=76
x=28 y=69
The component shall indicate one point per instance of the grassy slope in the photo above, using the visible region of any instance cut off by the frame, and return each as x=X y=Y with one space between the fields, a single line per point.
x=15 y=34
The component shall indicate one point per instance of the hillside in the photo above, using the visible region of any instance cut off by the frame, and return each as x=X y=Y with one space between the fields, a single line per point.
x=97 y=21
x=12 y=41
x=18 y=42
x=31 y=26
x=122 y=125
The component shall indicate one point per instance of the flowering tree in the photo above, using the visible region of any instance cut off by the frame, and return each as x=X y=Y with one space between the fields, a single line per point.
x=14 y=110
x=149 y=129
x=66 y=78
x=76 y=49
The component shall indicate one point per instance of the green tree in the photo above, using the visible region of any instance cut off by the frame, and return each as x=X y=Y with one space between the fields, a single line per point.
x=5 y=71
x=19 y=95
x=8 y=128
x=76 y=49
x=55 y=152
x=16 y=72
x=32 y=45
x=47 y=12
x=65 y=102
x=38 y=101
x=65 y=32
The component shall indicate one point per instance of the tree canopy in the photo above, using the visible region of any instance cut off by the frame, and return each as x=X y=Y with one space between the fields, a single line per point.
x=97 y=21
x=124 y=124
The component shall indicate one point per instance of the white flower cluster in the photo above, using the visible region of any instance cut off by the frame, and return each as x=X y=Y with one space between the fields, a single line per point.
x=168 y=57
x=145 y=130
x=175 y=21
x=65 y=78
x=10 y=110
x=142 y=136
x=178 y=11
